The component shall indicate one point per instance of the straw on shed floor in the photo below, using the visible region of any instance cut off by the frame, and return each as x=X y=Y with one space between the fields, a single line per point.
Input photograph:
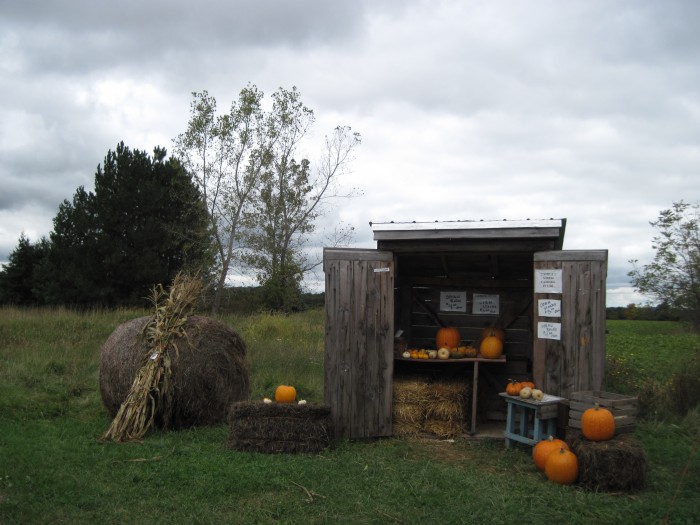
x=439 y=408
x=279 y=428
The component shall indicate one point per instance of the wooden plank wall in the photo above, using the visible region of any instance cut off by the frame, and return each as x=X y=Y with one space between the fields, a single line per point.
x=358 y=350
x=576 y=362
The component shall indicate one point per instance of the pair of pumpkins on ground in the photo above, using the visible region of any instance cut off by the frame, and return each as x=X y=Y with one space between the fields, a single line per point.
x=491 y=346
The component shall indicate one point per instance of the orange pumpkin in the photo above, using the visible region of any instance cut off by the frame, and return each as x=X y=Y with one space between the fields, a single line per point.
x=528 y=384
x=598 y=424
x=492 y=331
x=544 y=448
x=447 y=337
x=513 y=388
x=491 y=347
x=285 y=394
x=561 y=467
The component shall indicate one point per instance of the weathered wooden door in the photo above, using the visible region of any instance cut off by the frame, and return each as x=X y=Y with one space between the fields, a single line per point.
x=569 y=320
x=359 y=330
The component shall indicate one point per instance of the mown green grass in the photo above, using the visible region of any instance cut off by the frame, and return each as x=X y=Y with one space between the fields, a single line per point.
x=53 y=469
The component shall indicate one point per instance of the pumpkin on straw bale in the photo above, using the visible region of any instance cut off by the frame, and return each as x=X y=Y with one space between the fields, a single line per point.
x=279 y=427
x=171 y=370
x=616 y=465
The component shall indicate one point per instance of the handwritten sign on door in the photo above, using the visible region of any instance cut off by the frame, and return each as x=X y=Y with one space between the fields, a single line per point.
x=549 y=307
x=549 y=330
x=548 y=281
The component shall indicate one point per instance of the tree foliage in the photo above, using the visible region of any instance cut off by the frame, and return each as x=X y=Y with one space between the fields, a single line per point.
x=673 y=276
x=263 y=195
x=225 y=155
x=144 y=223
x=18 y=278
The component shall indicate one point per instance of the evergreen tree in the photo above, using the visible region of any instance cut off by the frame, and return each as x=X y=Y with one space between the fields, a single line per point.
x=18 y=276
x=145 y=222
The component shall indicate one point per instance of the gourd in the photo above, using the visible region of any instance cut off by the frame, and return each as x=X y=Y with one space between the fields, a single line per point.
x=285 y=394
x=470 y=351
x=491 y=347
x=447 y=337
x=544 y=448
x=525 y=392
x=443 y=353
x=598 y=424
x=561 y=466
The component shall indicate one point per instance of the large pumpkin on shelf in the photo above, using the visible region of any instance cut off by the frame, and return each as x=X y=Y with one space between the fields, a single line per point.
x=447 y=337
x=489 y=331
x=491 y=347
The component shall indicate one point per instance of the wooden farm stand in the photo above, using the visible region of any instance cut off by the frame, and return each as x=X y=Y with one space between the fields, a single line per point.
x=467 y=274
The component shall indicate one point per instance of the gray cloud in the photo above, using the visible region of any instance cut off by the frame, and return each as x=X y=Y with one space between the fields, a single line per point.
x=585 y=109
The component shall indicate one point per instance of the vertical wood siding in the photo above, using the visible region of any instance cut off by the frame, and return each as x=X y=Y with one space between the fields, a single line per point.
x=576 y=362
x=359 y=341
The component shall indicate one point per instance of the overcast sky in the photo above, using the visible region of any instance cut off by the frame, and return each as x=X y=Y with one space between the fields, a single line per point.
x=587 y=110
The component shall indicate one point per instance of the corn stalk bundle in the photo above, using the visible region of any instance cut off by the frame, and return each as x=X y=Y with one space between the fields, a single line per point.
x=151 y=386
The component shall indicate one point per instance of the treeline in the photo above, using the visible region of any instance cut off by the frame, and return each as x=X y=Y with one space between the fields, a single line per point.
x=238 y=195
x=633 y=312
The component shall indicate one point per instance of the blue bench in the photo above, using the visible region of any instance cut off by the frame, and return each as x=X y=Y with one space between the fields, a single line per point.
x=529 y=421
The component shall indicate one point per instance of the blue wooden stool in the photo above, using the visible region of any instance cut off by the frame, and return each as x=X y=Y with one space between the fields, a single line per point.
x=537 y=421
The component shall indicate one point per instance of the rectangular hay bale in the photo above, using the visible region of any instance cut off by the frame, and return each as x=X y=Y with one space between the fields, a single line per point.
x=279 y=428
x=624 y=408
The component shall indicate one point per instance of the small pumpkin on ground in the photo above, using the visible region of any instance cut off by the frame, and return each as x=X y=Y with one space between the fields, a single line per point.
x=561 y=466
x=598 y=424
x=542 y=450
x=285 y=394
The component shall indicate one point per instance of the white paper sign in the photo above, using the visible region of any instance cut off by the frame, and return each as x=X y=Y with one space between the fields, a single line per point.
x=453 y=301
x=549 y=330
x=485 y=304
x=549 y=307
x=547 y=281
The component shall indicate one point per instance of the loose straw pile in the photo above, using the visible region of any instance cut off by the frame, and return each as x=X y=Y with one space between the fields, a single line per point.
x=150 y=388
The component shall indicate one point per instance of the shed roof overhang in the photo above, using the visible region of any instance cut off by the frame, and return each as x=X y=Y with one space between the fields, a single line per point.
x=529 y=235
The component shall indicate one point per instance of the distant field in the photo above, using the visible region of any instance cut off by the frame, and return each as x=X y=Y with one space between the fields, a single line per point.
x=53 y=469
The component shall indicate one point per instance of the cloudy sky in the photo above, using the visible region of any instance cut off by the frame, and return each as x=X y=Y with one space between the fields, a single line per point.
x=469 y=109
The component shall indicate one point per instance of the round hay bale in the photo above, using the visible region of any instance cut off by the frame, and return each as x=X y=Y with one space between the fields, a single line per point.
x=209 y=371
x=616 y=465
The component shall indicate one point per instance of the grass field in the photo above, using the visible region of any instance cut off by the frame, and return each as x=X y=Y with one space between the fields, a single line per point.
x=54 y=470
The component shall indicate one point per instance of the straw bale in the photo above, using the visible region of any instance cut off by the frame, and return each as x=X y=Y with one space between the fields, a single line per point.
x=209 y=371
x=404 y=428
x=279 y=428
x=445 y=429
x=411 y=412
x=616 y=465
x=445 y=410
x=439 y=407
